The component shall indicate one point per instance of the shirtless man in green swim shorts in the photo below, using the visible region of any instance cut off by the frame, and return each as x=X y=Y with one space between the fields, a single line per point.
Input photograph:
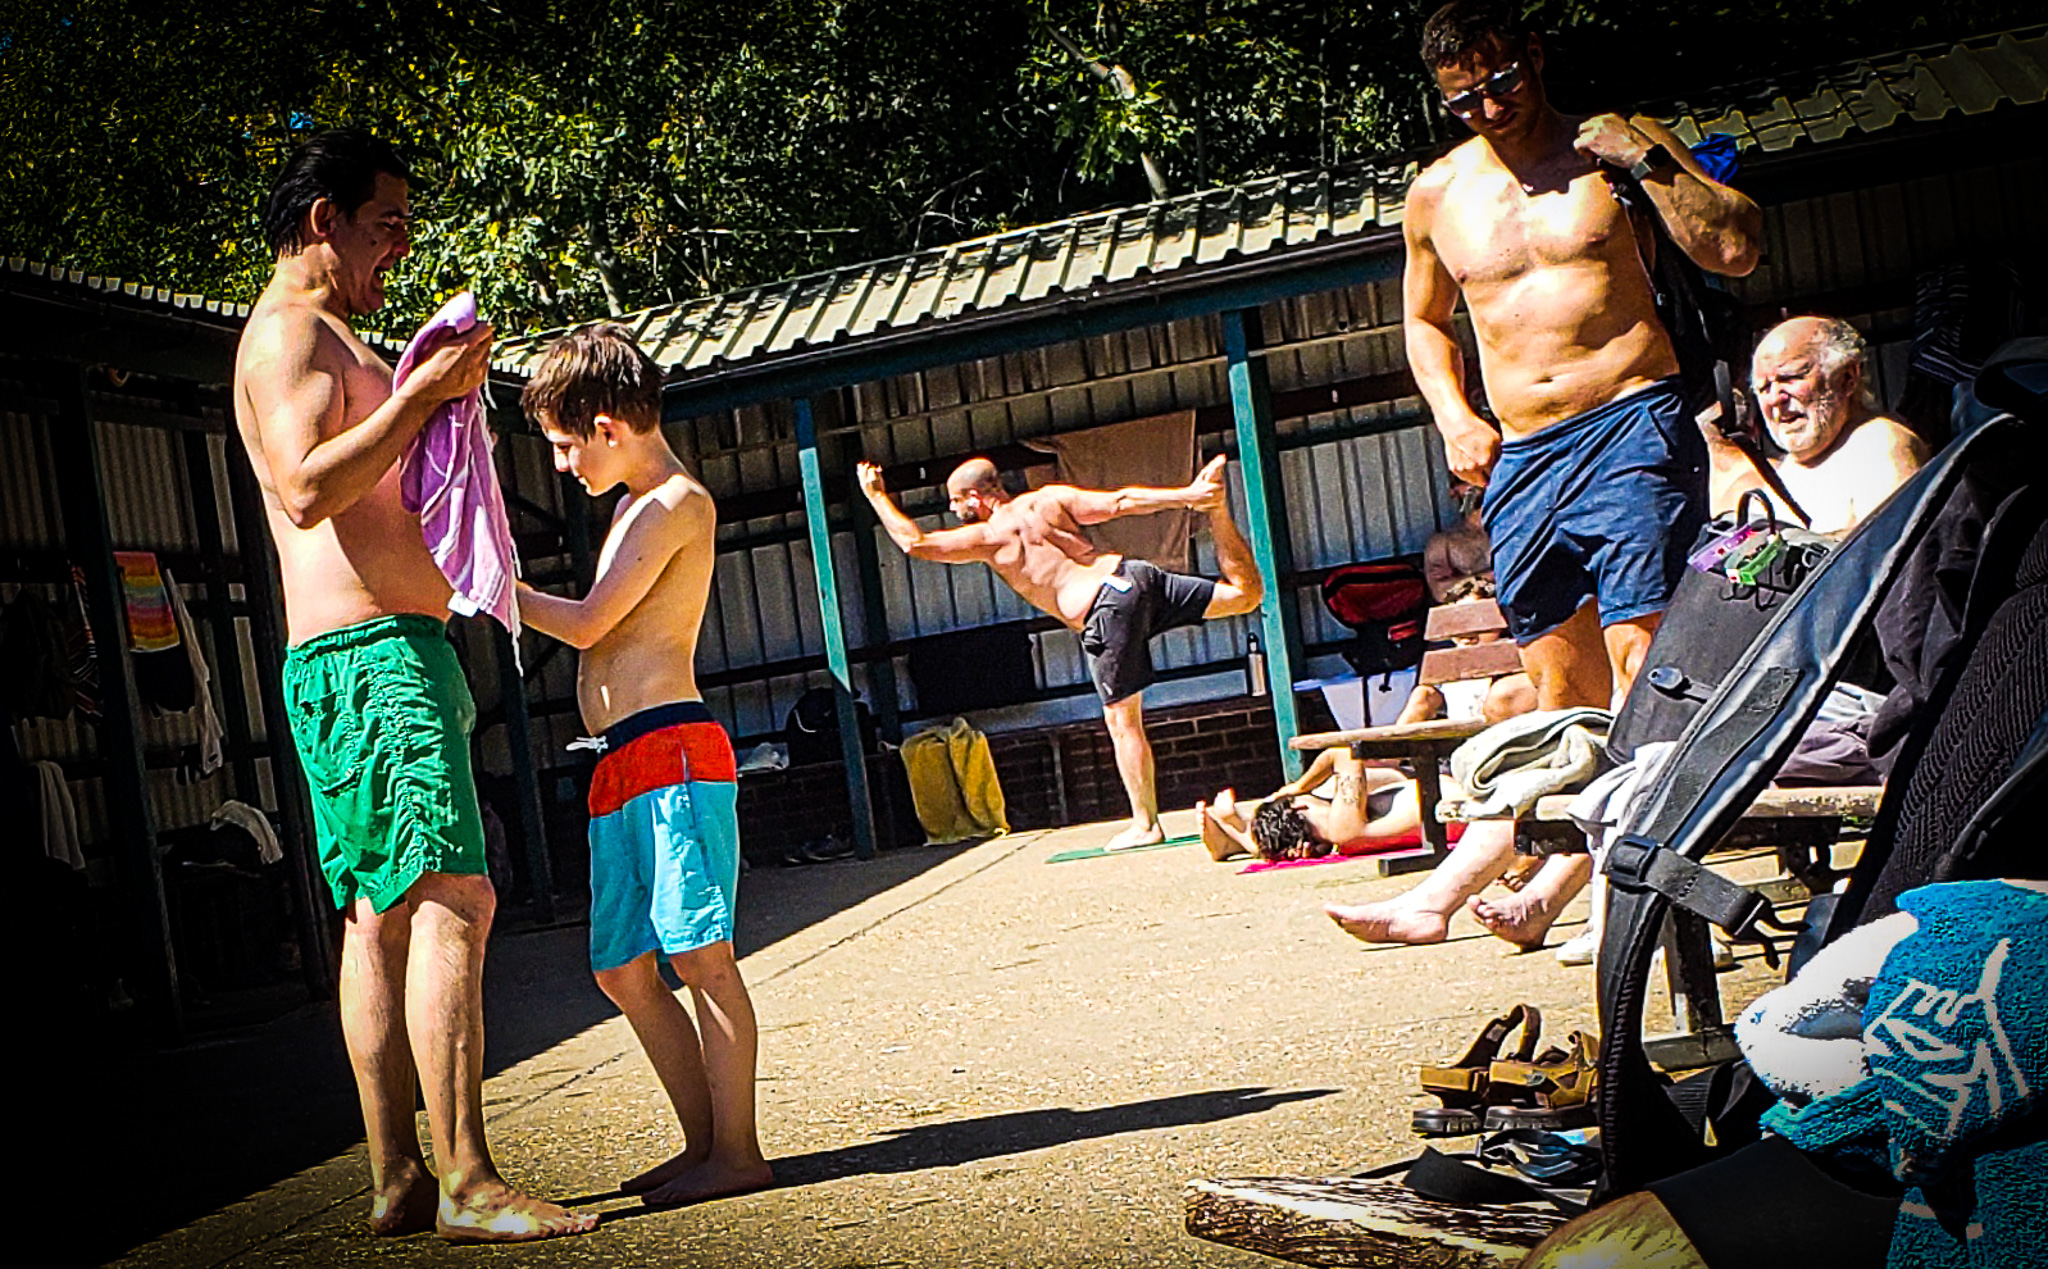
x=378 y=706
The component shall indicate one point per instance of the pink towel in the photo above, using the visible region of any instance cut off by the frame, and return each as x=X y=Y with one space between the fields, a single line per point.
x=1359 y=848
x=448 y=480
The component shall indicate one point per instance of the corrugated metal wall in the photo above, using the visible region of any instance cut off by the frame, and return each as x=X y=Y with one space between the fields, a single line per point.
x=1348 y=498
x=1353 y=498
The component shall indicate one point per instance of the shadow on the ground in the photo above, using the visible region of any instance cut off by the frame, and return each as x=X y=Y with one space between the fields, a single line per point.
x=924 y=1147
x=229 y=1114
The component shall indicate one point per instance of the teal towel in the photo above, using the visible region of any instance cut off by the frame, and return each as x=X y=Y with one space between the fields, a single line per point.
x=1955 y=1039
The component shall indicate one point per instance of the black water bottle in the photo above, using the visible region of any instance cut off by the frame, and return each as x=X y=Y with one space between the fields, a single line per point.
x=1254 y=666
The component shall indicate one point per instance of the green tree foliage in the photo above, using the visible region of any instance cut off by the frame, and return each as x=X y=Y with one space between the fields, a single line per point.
x=577 y=160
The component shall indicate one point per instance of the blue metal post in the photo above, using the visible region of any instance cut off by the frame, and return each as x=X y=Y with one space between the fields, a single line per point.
x=1251 y=405
x=820 y=527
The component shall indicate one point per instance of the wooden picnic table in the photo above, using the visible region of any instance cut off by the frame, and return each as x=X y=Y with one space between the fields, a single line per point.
x=1423 y=745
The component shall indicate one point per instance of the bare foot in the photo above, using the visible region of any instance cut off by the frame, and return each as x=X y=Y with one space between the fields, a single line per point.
x=405 y=1204
x=1390 y=921
x=1520 y=872
x=709 y=1180
x=1135 y=836
x=1522 y=920
x=497 y=1213
x=1219 y=843
x=662 y=1173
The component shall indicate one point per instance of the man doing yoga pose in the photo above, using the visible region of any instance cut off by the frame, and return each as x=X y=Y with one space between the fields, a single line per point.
x=1034 y=542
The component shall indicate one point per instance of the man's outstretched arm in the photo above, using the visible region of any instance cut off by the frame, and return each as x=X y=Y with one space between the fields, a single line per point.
x=965 y=545
x=1093 y=506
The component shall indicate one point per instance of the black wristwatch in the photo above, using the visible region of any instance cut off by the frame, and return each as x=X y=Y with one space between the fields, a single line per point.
x=1654 y=159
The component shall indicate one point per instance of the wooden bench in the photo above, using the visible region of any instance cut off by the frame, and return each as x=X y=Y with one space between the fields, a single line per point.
x=1346 y=1221
x=1423 y=746
x=1468 y=660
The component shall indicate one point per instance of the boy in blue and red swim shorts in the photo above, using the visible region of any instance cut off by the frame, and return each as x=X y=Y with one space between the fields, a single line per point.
x=664 y=830
x=664 y=836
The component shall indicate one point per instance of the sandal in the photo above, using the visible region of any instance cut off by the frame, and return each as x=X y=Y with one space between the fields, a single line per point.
x=1555 y=1091
x=1462 y=1088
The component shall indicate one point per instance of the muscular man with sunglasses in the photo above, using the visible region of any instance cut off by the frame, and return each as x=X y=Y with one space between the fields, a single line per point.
x=1595 y=481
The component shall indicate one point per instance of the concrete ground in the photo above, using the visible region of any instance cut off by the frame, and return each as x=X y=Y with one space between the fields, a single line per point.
x=969 y=1057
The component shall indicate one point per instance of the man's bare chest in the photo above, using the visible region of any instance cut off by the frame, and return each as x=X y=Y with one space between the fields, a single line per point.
x=1492 y=231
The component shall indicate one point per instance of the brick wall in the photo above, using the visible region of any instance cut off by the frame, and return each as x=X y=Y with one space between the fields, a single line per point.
x=1051 y=776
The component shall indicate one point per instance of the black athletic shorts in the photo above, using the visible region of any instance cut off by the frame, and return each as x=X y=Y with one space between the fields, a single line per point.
x=1137 y=601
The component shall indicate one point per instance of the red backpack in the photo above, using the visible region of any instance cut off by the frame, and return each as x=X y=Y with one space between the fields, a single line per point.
x=1383 y=602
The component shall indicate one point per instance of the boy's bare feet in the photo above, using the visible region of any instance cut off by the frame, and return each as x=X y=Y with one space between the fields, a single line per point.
x=662 y=1173
x=406 y=1202
x=1390 y=921
x=1137 y=835
x=1522 y=919
x=497 y=1213
x=709 y=1180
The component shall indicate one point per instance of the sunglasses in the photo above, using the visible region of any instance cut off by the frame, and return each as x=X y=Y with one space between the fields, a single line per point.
x=1497 y=86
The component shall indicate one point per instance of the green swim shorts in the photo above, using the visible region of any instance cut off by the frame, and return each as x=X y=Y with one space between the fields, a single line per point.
x=381 y=717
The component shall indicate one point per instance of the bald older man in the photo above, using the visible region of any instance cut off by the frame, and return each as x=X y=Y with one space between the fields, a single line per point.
x=1035 y=542
x=1842 y=456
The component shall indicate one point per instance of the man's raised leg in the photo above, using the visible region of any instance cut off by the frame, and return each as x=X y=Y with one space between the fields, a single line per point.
x=1423 y=914
x=1240 y=588
x=444 y=1013
x=1126 y=722
x=373 y=959
x=730 y=1040
x=669 y=1039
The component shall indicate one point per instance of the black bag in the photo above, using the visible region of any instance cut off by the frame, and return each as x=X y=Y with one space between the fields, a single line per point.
x=1753 y=720
x=1709 y=327
x=811 y=728
x=1711 y=620
x=1384 y=603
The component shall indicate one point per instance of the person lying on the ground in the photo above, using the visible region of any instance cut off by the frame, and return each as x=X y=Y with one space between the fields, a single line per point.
x=1843 y=456
x=1339 y=804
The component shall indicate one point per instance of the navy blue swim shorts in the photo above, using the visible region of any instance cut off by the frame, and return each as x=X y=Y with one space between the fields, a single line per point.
x=1604 y=506
x=1137 y=601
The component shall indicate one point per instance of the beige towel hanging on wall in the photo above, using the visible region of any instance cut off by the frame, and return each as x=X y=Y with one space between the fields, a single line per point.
x=1159 y=452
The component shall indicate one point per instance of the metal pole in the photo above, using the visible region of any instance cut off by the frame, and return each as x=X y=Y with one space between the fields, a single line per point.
x=311 y=899
x=1251 y=406
x=826 y=573
x=220 y=614
x=540 y=870
x=75 y=451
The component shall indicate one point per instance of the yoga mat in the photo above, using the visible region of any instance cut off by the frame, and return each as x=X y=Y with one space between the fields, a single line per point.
x=1096 y=852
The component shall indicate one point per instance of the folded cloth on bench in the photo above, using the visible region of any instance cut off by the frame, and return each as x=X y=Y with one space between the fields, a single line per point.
x=1835 y=748
x=1507 y=767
